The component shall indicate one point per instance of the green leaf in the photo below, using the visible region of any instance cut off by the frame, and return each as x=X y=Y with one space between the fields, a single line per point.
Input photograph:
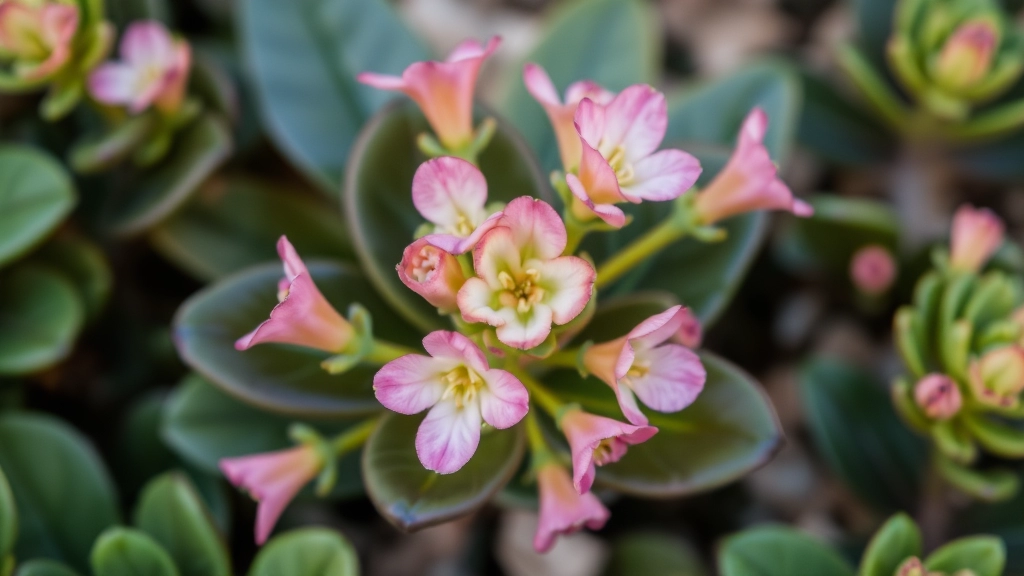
x=304 y=56
x=63 y=494
x=412 y=497
x=130 y=552
x=307 y=552
x=378 y=197
x=153 y=195
x=834 y=128
x=40 y=317
x=278 y=377
x=124 y=12
x=171 y=511
x=996 y=437
x=856 y=429
x=874 y=26
x=999 y=160
x=232 y=225
x=984 y=555
x=44 y=568
x=84 y=264
x=36 y=195
x=650 y=554
x=615 y=43
x=989 y=485
x=778 y=551
x=894 y=542
x=8 y=519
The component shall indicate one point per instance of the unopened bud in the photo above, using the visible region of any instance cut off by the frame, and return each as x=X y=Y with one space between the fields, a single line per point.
x=938 y=396
x=997 y=378
x=873 y=269
x=966 y=58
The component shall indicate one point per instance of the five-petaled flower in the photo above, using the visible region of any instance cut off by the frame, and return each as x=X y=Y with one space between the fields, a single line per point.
x=562 y=509
x=153 y=71
x=432 y=273
x=303 y=316
x=596 y=441
x=619 y=162
x=443 y=90
x=977 y=234
x=667 y=377
x=460 y=388
x=451 y=194
x=523 y=284
x=37 y=36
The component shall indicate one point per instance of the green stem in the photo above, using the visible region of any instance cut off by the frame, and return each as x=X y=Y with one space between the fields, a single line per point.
x=639 y=250
x=384 y=352
x=563 y=359
x=354 y=437
x=547 y=400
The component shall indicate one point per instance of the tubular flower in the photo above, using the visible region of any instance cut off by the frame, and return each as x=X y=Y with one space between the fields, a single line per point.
x=873 y=269
x=619 y=162
x=523 y=284
x=562 y=509
x=432 y=273
x=976 y=235
x=997 y=378
x=938 y=396
x=460 y=389
x=749 y=180
x=273 y=479
x=303 y=316
x=37 y=36
x=451 y=194
x=562 y=115
x=666 y=377
x=153 y=71
x=442 y=90
x=596 y=441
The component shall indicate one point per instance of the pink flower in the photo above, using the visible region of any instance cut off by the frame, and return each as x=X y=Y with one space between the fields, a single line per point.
x=873 y=269
x=154 y=71
x=451 y=193
x=273 y=479
x=977 y=234
x=596 y=441
x=524 y=284
x=562 y=116
x=443 y=90
x=456 y=381
x=966 y=57
x=666 y=377
x=619 y=162
x=749 y=180
x=562 y=509
x=37 y=35
x=938 y=396
x=432 y=273
x=303 y=316
x=997 y=378
x=690 y=333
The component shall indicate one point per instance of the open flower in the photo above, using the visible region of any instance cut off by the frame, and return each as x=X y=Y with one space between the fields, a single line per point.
x=749 y=180
x=459 y=385
x=451 y=194
x=619 y=162
x=273 y=479
x=977 y=234
x=997 y=378
x=524 y=284
x=667 y=377
x=562 y=115
x=37 y=36
x=873 y=269
x=153 y=71
x=938 y=396
x=596 y=441
x=432 y=273
x=562 y=509
x=443 y=90
x=303 y=316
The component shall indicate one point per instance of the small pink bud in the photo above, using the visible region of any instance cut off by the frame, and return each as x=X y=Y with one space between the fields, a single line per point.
x=873 y=269
x=562 y=509
x=997 y=378
x=938 y=396
x=37 y=35
x=977 y=234
x=967 y=55
x=432 y=273
x=911 y=567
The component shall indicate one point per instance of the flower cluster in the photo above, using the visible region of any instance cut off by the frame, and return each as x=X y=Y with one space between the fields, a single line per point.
x=517 y=291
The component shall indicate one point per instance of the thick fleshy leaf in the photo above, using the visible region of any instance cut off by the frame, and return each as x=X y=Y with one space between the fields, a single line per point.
x=36 y=195
x=874 y=19
x=278 y=377
x=235 y=224
x=982 y=555
x=898 y=539
x=778 y=551
x=307 y=552
x=130 y=552
x=84 y=264
x=8 y=519
x=650 y=553
x=836 y=129
x=44 y=568
x=153 y=195
x=1004 y=520
x=124 y=12
x=378 y=197
x=304 y=56
x=40 y=317
x=612 y=42
x=171 y=512
x=994 y=160
x=855 y=427
x=412 y=497
x=64 y=495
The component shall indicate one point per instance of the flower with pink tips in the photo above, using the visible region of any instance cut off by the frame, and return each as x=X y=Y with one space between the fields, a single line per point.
x=303 y=316
x=749 y=180
x=562 y=509
x=38 y=36
x=432 y=273
x=619 y=161
x=938 y=396
x=442 y=90
x=977 y=234
x=667 y=377
x=451 y=194
x=873 y=269
x=461 y=390
x=153 y=71
x=563 y=114
x=273 y=479
x=523 y=283
x=596 y=441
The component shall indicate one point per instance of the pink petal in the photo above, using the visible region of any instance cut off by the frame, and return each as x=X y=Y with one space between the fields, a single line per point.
x=664 y=175
x=504 y=401
x=675 y=379
x=560 y=115
x=447 y=189
x=976 y=235
x=60 y=22
x=475 y=303
x=303 y=318
x=147 y=43
x=497 y=251
x=627 y=403
x=448 y=437
x=562 y=509
x=412 y=383
x=537 y=230
x=382 y=81
x=432 y=273
x=568 y=282
x=577 y=91
x=472 y=48
x=690 y=332
x=456 y=347
x=460 y=245
x=597 y=179
x=293 y=264
x=609 y=213
x=524 y=331
x=657 y=329
x=540 y=86
x=590 y=121
x=585 y=432
x=754 y=128
x=637 y=120
x=113 y=83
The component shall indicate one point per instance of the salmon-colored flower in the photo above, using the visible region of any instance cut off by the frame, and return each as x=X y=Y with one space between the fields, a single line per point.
x=153 y=71
x=596 y=441
x=432 y=273
x=37 y=36
x=562 y=509
x=938 y=396
x=451 y=194
x=977 y=234
x=873 y=269
x=997 y=378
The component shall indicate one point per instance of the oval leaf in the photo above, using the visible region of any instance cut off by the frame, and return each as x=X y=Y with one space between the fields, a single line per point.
x=84 y=264
x=8 y=519
x=307 y=552
x=778 y=551
x=650 y=554
x=44 y=568
x=894 y=542
x=839 y=131
x=36 y=195
x=40 y=317
x=412 y=497
x=982 y=555
x=129 y=552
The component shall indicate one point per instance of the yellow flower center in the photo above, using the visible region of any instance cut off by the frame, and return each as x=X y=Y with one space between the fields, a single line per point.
x=522 y=292
x=603 y=452
x=463 y=226
x=623 y=169
x=463 y=385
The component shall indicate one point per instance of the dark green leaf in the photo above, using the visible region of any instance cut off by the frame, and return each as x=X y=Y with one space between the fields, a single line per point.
x=778 y=551
x=8 y=519
x=307 y=552
x=130 y=552
x=124 y=12
x=650 y=554
x=84 y=263
x=983 y=555
x=40 y=317
x=44 y=568
x=35 y=196
x=837 y=130
x=874 y=26
x=894 y=542
x=412 y=497
x=994 y=160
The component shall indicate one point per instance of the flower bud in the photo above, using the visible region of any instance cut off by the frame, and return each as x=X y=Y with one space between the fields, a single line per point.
x=997 y=378
x=432 y=273
x=911 y=567
x=873 y=269
x=967 y=55
x=938 y=396
x=37 y=36
x=976 y=235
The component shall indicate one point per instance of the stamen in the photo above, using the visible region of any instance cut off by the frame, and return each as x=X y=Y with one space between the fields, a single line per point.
x=463 y=385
